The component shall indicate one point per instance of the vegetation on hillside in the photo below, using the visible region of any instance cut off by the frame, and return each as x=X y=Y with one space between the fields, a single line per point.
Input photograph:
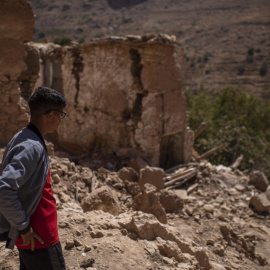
x=237 y=118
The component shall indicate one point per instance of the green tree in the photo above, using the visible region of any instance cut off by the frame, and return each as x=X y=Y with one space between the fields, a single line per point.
x=237 y=118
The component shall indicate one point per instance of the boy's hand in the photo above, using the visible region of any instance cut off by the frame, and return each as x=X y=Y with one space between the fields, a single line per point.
x=29 y=238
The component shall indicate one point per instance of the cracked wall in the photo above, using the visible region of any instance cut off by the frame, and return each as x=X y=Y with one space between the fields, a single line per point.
x=13 y=65
x=123 y=94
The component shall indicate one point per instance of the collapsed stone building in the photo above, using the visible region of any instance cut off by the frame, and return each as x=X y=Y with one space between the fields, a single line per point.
x=124 y=94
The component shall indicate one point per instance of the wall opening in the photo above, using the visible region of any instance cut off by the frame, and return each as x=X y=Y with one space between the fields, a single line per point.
x=52 y=75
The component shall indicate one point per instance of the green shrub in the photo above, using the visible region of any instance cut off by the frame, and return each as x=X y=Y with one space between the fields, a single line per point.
x=250 y=55
x=81 y=40
x=64 y=41
x=241 y=70
x=263 y=69
x=237 y=118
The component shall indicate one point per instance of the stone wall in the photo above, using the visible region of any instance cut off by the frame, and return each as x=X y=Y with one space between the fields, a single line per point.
x=123 y=94
x=17 y=25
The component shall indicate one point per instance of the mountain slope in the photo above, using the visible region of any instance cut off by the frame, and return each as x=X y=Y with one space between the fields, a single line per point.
x=226 y=43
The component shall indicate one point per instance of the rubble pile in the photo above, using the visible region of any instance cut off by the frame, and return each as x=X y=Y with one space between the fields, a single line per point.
x=129 y=219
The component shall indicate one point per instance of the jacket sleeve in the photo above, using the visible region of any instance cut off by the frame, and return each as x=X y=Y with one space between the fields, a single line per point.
x=18 y=167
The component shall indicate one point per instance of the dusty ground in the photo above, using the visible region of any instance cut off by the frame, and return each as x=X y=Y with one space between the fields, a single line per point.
x=215 y=228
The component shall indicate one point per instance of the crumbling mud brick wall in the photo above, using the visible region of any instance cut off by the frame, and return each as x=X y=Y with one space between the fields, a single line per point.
x=123 y=94
x=17 y=25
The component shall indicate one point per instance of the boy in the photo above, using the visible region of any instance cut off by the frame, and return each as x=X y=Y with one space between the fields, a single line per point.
x=28 y=217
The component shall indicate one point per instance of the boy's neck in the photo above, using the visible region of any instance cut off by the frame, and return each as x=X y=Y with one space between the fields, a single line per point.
x=39 y=126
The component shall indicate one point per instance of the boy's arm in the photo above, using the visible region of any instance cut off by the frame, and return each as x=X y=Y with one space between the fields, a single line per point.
x=22 y=161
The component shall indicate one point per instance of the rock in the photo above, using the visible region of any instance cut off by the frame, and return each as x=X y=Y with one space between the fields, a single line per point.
x=96 y=234
x=171 y=202
x=181 y=193
x=103 y=171
x=56 y=179
x=128 y=174
x=259 y=180
x=148 y=202
x=63 y=197
x=267 y=193
x=219 y=250
x=114 y=180
x=170 y=249
x=229 y=178
x=78 y=243
x=69 y=243
x=137 y=164
x=240 y=187
x=133 y=188
x=152 y=175
x=217 y=266
x=103 y=199
x=87 y=263
x=87 y=248
x=260 y=203
x=202 y=259
x=146 y=226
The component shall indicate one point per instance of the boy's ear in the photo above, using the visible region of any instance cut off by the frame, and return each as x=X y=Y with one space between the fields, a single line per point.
x=48 y=115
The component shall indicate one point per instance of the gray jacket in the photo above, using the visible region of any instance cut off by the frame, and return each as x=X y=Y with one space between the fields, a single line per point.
x=23 y=174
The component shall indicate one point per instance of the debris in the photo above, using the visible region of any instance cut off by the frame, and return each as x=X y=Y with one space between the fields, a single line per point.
x=237 y=162
x=259 y=180
x=212 y=151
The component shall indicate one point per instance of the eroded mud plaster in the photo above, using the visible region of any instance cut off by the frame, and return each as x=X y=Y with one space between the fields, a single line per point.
x=124 y=94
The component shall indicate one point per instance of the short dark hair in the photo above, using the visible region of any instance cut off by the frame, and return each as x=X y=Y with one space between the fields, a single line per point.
x=44 y=99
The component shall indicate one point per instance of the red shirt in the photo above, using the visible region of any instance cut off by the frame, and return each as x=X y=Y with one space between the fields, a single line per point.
x=44 y=219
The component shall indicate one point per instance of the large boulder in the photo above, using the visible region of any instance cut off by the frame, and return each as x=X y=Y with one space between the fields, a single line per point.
x=103 y=199
x=128 y=174
x=152 y=175
x=260 y=203
x=171 y=202
x=259 y=180
x=148 y=202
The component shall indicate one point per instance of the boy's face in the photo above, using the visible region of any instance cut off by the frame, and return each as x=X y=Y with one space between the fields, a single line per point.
x=53 y=119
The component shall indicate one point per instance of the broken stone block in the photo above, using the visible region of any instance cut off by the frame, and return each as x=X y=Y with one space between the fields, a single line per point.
x=137 y=164
x=219 y=250
x=148 y=202
x=115 y=181
x=260 y=203
x=217 y=266
x=202 y=259
x=128 y=174
x=170 y=249
x=96 y=234
x=87 y=248
x=56 y=179
x=69 y=243
x=78 y=243
x=63 y=197
x=103 y=199
x=267 y=193
x=152 y=175
x=145 y=226
x=208 y=208
x=259 y=180
x=171 y=202
x=133 y=188
x=228 y=178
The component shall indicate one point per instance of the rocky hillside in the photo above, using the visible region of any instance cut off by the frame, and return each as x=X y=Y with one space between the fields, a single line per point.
x=226 y=43
x=196 y=216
